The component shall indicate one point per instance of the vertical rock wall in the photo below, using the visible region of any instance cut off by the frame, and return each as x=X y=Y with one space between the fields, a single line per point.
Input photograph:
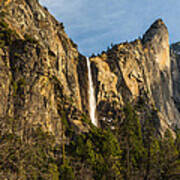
x=42 y=72
x=139 y=69
x=41 y=68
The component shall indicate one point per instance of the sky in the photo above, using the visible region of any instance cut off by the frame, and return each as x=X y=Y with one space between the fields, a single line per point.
x=94 y=24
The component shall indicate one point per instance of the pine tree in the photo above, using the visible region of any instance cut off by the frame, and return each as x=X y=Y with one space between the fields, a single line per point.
x=168 y=156
x=152 y=149
x=131 y=143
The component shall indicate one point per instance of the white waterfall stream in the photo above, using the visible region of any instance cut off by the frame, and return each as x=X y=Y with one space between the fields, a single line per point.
x=92 y=100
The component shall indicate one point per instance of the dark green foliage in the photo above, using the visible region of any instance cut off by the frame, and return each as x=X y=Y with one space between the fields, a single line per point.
x=29 y=156
x=16 y=55
x=29 y=39
x=6 y=34
x=18 y=87
x=100 y=151
x=66 y=172
x=53 y=170
x=3 y=25
x=2 y=14
x=15 y=87
x=152 y=149
x=131 y=143
x=85 y=119
x=177 y=142
x=92 y=55
x=64 y=119
x=2 y=43
x=45 y=8
x=144 y=154
x=73 y=44
x=62 y=26
x=169 y=158
x=131 y=151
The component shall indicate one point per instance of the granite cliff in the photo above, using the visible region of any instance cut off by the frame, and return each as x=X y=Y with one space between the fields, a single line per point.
x=136 y=71
x=39 y=55
x=44 y=87
x=41 y=68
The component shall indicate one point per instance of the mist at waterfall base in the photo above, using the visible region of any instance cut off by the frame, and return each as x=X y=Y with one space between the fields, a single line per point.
x=92 y=100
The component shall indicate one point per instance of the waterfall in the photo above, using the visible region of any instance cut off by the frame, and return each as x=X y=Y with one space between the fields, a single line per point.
x=92 y=100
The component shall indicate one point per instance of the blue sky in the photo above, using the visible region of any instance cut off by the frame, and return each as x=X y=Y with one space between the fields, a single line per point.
x=94 y=24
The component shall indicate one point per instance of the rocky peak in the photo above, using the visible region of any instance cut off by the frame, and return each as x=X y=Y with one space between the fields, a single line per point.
x=156 y=39
x=44 y=52
x=139 y=69
x=156 y=32
x=44 y=88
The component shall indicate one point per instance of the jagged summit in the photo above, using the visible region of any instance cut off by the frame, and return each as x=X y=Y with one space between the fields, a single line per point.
x=141 y=68
x=156 y=39
x=45 y=129
x=126 y=72
x=156 y=32
x=158 y=24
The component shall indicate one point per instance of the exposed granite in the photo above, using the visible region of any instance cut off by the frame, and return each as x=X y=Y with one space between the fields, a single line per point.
x=39 y=57
x=139 y=69
x=42 y=74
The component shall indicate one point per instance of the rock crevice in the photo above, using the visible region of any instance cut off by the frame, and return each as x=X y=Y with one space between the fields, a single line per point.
x=42 y=72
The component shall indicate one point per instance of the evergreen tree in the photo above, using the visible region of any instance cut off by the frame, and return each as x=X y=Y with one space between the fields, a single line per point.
x=152 y=149
x=131 y=143
x=168 y=157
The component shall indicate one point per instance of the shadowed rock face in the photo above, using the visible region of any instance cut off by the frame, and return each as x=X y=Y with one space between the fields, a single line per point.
x=42 y=74
x=175 y=72
x=41 y=70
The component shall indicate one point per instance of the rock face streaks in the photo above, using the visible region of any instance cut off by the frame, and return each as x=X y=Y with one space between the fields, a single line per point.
x=42 y=74
x=139 y=69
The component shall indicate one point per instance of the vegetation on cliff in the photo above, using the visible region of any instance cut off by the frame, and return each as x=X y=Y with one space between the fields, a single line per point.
x=45 y=132
x=130 y=152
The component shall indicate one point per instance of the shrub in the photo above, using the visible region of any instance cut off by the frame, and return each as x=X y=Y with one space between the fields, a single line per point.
x=66 y=172
x=2 y=43
x=6 y=35
x=29 y=39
